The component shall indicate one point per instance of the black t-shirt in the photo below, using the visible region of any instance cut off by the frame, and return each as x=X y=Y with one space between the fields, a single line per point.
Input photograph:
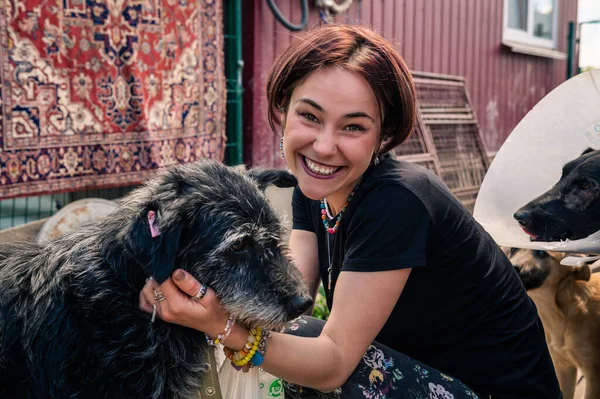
x=463 y=310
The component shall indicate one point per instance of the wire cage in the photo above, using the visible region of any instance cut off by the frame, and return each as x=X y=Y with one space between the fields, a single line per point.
x=447 y=138
x=418 y=149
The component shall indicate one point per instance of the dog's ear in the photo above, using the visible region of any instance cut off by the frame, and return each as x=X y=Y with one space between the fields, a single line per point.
x=587 y=150
x=153 y=237
x=277 y=177
x=583 y=272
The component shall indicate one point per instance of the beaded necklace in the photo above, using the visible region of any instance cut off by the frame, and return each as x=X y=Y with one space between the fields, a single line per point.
x=333 y=230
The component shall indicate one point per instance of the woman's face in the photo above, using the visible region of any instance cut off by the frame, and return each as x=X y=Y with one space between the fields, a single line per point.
x=331 y=130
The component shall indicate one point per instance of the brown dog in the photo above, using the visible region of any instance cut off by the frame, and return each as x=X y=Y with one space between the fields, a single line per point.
x=568 y=302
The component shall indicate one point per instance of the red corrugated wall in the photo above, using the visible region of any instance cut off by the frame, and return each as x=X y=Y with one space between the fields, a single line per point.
x=456 y=37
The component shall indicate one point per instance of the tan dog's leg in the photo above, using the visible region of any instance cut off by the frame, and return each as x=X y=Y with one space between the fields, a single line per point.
x=592 y=383
x=567 y=378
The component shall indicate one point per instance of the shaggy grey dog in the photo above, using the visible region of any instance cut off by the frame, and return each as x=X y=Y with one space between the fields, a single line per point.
x=70 y=324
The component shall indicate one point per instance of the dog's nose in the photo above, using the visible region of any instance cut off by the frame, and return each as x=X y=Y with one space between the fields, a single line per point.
x=297 y=305
x=523 y=217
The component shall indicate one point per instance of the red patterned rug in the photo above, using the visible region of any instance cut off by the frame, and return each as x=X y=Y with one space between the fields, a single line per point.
x=101 y=93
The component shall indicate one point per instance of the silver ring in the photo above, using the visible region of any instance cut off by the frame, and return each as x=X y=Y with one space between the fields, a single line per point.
x=200 y=293
x=149 y=279
x=159 y=296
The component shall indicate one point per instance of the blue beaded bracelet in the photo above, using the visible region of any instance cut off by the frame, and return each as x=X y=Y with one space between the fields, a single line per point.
x=257 y=359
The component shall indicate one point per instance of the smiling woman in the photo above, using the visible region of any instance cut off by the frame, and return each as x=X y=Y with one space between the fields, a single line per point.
x=423 y=303
x=331 y=134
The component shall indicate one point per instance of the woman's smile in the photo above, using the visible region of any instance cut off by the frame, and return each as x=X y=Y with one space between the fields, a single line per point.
x=319 y=170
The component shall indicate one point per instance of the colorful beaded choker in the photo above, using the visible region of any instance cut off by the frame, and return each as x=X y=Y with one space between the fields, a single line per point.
x=332 y=230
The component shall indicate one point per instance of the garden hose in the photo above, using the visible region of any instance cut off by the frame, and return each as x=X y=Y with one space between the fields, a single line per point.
x=285 y=22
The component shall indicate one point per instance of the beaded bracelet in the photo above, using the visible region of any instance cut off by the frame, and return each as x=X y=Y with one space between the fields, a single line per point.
x=259 y=356
x=241 y=359
x=253 y=353
x=250 y=348
x=223 y=336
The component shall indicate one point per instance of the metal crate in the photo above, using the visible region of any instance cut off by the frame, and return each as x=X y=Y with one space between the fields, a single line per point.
x=447 y=138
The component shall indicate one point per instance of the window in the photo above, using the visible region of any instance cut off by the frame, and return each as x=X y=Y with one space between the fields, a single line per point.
x=531 y=22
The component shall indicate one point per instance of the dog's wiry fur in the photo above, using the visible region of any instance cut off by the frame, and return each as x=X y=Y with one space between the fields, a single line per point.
x=571 y=208
x=568 y=302
x=70 y=324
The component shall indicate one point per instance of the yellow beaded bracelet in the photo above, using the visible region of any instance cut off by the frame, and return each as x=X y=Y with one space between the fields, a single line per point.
x=249 y=349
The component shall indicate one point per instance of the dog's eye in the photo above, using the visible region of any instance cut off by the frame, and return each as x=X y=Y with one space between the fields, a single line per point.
x=513 y=250
x=584 y=185
x=541 y=254
x=239 y=245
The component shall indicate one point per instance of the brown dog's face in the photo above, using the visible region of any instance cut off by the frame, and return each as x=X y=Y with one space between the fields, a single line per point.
x=538 y=268
x=570 y=209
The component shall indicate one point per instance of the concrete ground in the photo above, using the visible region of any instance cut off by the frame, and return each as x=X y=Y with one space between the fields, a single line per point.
x=282 y=201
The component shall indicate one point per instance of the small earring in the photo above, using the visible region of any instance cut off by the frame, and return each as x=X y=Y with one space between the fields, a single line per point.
x=281 y=147
x=376 y=159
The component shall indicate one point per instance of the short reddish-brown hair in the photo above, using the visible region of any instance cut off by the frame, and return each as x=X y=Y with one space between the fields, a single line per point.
x=355 y=49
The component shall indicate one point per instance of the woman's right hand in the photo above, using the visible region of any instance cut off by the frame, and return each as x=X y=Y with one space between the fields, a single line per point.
x=180 y=306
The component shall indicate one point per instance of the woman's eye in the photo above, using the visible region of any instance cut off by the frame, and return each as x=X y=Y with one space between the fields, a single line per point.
x=308 y=116
x=355 y=128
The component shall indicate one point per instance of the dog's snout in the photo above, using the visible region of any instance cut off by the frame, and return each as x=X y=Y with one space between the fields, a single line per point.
x=297 y=305
x=523 y=217
x=517 y=268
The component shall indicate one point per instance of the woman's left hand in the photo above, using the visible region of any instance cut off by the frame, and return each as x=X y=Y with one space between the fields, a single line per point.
x=179 y=305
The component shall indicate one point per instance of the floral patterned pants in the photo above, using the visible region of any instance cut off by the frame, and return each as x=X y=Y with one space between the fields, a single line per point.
x=382 y=374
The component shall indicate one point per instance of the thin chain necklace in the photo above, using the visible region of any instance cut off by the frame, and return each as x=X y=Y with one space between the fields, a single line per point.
x=333 y=230
x=329 y=259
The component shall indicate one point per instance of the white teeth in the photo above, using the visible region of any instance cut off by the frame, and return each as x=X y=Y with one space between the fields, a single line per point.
x=318 y=168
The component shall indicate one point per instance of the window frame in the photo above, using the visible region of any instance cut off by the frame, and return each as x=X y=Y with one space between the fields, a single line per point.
x=520 y=36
